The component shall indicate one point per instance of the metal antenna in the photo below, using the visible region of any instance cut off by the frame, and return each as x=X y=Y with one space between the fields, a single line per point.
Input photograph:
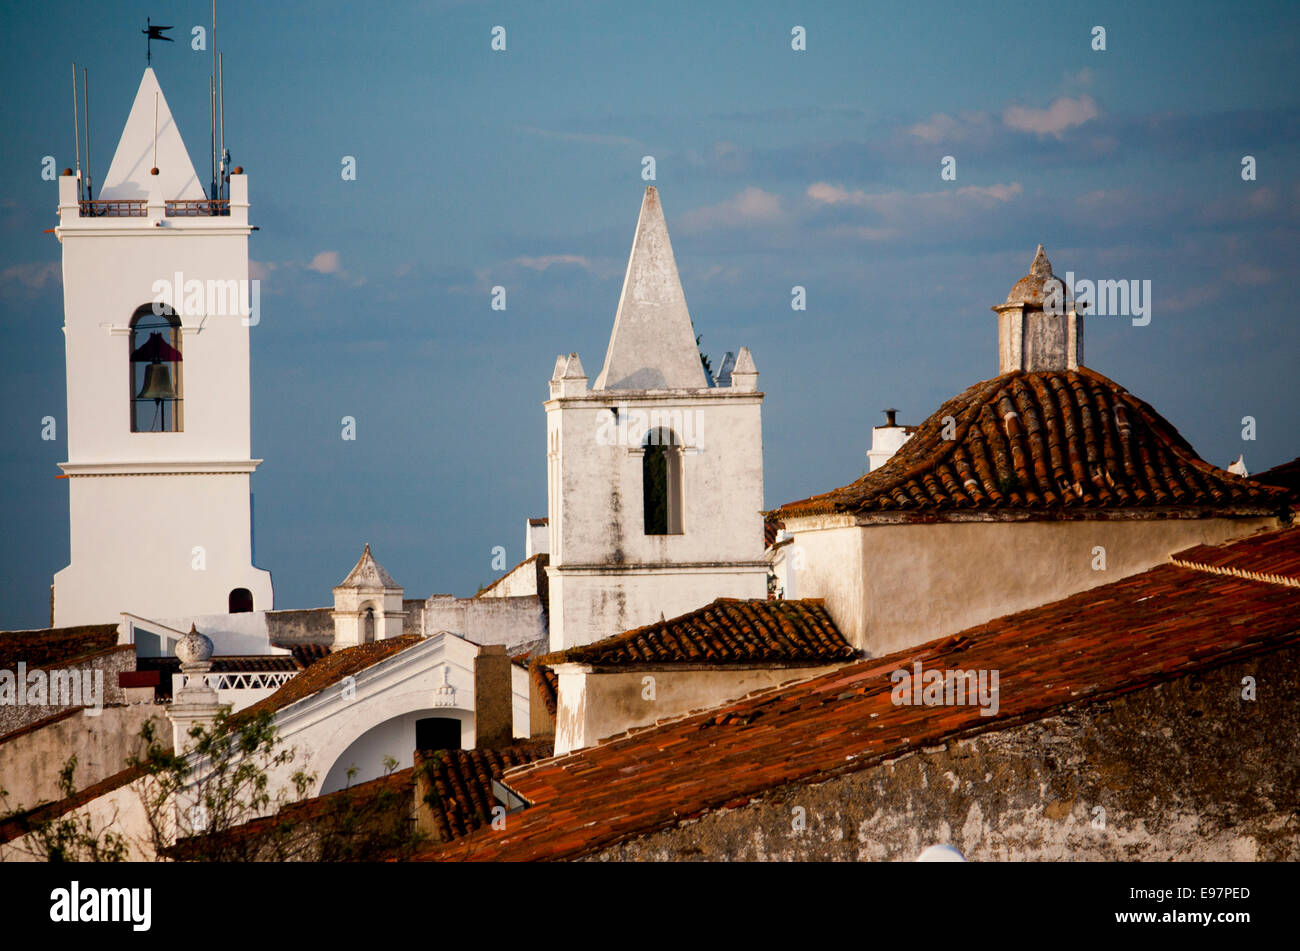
x=212 y=130
x=85 y=105
x=77 y=130
x=221 y=115
x=214 y=191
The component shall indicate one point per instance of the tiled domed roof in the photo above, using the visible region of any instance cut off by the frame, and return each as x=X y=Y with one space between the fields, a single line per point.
x=1053 y=442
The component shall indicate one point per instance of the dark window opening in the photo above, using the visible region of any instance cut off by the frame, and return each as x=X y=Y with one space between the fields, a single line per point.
x=437 y=733
x=241 y=601
x=661 y=483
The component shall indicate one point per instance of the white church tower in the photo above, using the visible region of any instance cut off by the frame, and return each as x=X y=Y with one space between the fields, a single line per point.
x=655 y=471
x=156 y=325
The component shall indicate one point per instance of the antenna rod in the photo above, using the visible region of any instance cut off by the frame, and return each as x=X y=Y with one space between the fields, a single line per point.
x=212 y=139
x=221 y=114
x=76 y=127
x=215 y=190
x=85 y=105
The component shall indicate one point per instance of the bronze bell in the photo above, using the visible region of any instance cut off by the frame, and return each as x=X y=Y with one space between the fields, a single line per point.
x=157 y=383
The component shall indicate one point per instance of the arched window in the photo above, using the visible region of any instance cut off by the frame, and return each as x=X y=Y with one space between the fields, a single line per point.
x=155 y=371
x=368 y=626
x=240 y=601
x=661 y=483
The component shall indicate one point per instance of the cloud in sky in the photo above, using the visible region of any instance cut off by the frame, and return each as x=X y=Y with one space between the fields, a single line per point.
x=327 y=262
x=548 y=260
x=29 y=279
x=1062 y=115
x=587 y=138
x=748 y=207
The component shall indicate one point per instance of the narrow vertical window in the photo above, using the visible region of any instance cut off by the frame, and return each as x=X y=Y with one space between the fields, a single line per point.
x=661 y=483
x=155 y=371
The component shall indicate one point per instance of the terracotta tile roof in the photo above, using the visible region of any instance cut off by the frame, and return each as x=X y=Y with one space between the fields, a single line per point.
x=770 y=528
x=373 y=803
x=1053 y=442
x=307 y=654
x=547 y=682
x=1150 y=628
x=461 y=780
x=328 y=671
x=1286 y=476
x=728 y=631
x=1273 y=557
x=60 y=645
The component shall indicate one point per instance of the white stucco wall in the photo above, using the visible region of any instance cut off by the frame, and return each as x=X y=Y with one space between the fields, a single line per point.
x=592 y=706
x=605 y=572
x=140 y=503
x=894 y=586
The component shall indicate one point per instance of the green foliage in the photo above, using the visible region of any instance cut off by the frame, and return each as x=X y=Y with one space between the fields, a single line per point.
x=71 y=837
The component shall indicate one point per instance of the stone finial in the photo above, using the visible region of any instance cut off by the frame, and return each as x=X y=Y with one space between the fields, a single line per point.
x=194 y=650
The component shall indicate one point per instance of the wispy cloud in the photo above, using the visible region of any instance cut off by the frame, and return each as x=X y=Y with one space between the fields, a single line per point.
x=749 y=206
x=1063 y=114
x=549 y=260
x=29 y=279
x=588 y=138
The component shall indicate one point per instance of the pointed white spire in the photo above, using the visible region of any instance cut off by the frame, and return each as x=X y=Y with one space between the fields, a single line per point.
x=128 y=176
x=368 y=573
x=653 y=344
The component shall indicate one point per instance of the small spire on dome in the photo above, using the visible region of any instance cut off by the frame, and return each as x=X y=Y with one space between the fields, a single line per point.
x=1041 y=267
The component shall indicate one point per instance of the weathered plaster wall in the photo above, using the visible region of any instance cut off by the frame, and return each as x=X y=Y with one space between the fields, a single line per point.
x=109 y=663
x=592 y=706
x=602 y=577
x=1185 y=771
x=119 y=811
x=30 y=762
x=895 y=586
x=509 y=621
x=309 y=626
x=610 y=601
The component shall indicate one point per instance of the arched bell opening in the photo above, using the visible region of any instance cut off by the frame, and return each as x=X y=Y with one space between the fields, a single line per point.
x=155 y=370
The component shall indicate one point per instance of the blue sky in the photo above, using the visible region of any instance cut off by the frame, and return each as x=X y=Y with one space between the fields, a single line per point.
x=776 y=168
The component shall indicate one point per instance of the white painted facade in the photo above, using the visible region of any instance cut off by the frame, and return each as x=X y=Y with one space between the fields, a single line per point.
x=362 y=719
x=606 y=574
x=160 y=521
x=367 y=605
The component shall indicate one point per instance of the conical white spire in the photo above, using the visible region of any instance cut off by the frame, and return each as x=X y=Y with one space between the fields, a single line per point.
x=128 y=176
x=653 y=344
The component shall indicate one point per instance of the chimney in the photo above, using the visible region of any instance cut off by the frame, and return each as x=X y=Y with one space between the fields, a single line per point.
x=494 y=717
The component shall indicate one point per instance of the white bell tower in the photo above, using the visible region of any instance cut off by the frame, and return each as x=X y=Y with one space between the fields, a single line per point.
x=157 y=310
x=655 y=471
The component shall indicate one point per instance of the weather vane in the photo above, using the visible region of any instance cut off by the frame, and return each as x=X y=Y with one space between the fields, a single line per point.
x=153 y=33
